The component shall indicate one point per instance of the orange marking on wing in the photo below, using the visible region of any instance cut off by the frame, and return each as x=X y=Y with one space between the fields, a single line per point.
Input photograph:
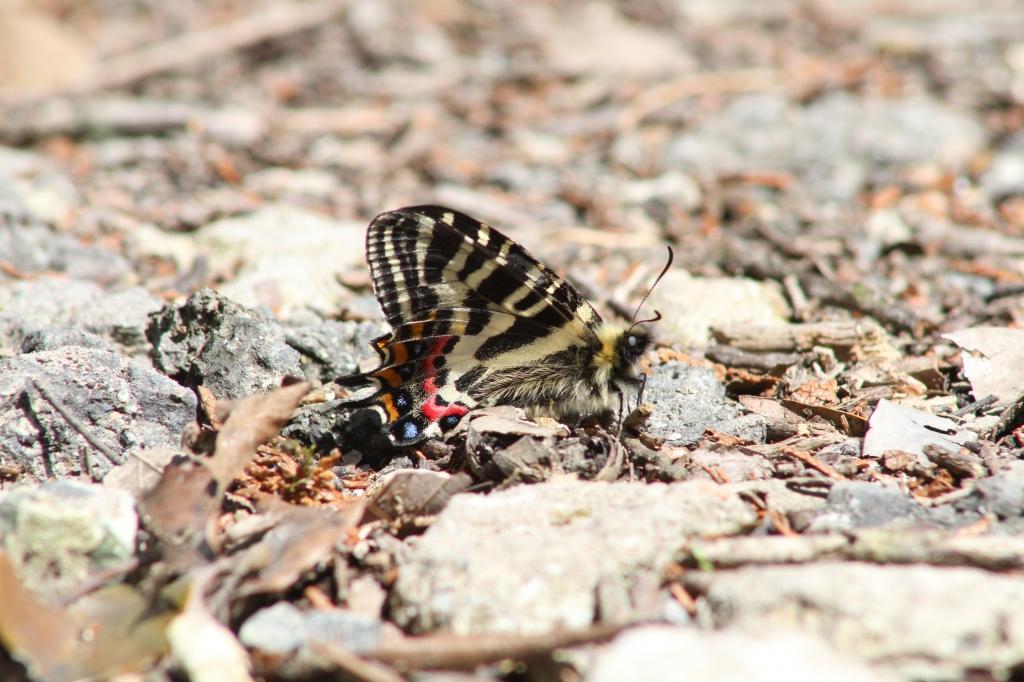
x=389 y=377
x=399 y=354
x=389 y=406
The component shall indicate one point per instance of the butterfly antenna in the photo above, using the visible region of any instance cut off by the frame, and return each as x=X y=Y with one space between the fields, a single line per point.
x=657 y=316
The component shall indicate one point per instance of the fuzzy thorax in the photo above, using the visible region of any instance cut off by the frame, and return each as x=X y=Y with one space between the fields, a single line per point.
x=607 y=359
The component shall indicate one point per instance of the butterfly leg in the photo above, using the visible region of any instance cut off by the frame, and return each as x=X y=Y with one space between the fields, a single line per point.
x=622 y=409
x=640 y=393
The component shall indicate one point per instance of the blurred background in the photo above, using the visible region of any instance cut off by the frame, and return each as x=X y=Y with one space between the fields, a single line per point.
x=843 y=183
x=878 y=142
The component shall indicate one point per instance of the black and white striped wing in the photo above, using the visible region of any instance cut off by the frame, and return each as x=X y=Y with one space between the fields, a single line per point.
x=464 y=301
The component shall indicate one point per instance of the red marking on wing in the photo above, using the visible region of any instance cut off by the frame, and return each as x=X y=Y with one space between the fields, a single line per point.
x=431 y=409
x=429 y=370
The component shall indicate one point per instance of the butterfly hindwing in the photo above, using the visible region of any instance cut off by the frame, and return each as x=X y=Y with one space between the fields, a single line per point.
x=475 y=320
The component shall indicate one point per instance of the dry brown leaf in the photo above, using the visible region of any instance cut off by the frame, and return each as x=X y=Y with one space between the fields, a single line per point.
x=179 y=510
x=249 y=423
x=847 y=422
x=302 y=539
x=141 y=472
x=118 y=632
x=817 y=392
x=39 y=637
x=409 y=493
x=506 y=420
x=102 y=635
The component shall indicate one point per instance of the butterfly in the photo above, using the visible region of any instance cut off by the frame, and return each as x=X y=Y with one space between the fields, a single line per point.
x=478 y=321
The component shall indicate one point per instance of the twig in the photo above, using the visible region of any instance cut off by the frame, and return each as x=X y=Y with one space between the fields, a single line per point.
x=353 y=666
x=279 y=20
x=866 y=334
x=952 y=496
x=662 y=95
x=797 y=297
x=684 y=598
x=451 y=652
x=861 y=297
x=813 y=462
x=1011 y=418
x=114 y=458
x=976 y=406
x=78 y=426
x=735 y=357
x=810 y=486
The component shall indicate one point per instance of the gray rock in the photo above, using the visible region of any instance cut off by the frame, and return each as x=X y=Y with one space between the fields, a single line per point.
x=283 y=629
x=694 y=305
x=688 y=400
x=320 y=424
x=285 y=258
x=116 y=402
x=855 y=504
x=33 y=304
x=673 y=188
x=212 y=341
x=52 y=338
x=1005 y=176
x=121 y=316
x=658 y=653
x=59 y=533
x=16 y=162
x=834 y=142
x=332 y=349
x=532 y=558
x=12 y=208
x=737 y=464
x=921 y=622
x=1002 y=494
x=36 y=248
x=293 y=184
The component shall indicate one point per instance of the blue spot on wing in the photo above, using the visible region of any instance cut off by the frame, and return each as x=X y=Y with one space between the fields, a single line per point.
x=408 y=430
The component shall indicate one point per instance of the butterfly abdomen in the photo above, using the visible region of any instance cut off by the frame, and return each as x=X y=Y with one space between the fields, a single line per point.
x=576 y=381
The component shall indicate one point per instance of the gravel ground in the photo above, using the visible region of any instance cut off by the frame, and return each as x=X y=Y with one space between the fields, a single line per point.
x=826 y=481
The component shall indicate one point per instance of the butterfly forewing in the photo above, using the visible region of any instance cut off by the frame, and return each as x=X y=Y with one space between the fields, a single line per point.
x=474 y=317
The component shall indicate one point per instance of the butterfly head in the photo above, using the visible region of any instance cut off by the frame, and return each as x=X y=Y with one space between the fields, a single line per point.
x=635 y=340
x=633 y=343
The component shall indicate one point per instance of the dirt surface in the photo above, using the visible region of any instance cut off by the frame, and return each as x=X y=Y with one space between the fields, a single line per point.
x=826 y=477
